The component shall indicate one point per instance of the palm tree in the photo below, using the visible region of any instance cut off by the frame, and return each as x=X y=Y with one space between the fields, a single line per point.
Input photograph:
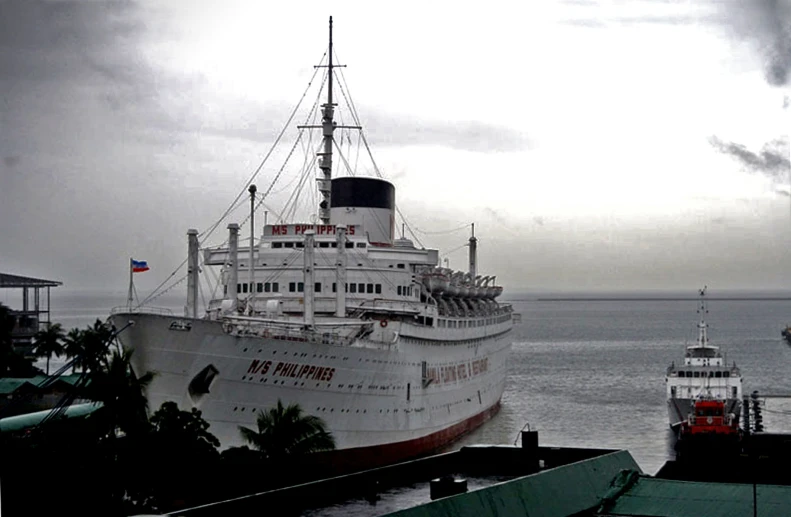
x=49 y=342
x=122 y=393
x=285 y=431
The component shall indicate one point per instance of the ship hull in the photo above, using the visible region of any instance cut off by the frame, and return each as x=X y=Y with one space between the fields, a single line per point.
x=390 y=401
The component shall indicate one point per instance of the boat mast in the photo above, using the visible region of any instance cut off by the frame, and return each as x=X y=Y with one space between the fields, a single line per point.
x=325 y=157
x=702 y=326
x=328 y=126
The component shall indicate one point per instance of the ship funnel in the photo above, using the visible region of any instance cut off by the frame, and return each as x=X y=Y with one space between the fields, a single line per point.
x=368 y=202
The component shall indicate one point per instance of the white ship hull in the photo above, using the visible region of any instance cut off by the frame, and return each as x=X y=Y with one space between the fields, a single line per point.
x=369 y=394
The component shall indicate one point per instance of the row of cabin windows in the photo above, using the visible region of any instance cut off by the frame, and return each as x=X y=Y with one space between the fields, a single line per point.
x=266 y=287
x=473 y=323
x=404 y=290
x=299 y=287
x=717 y=374
x=301 y=244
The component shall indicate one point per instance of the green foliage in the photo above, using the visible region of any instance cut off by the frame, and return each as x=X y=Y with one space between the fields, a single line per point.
x=285 y=431
x=49 y=342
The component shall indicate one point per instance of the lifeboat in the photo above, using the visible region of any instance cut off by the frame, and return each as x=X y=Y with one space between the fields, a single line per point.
x=708 y=430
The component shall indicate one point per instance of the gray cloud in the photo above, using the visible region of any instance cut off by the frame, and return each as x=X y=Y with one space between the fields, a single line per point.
x=767 y=23
x=772 y=160
x=476 y=136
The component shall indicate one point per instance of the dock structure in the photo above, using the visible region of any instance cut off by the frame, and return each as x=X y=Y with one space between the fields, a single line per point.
x=32 y=316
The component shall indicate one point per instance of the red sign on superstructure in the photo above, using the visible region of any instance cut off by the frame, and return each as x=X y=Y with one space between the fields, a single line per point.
x=283 y=230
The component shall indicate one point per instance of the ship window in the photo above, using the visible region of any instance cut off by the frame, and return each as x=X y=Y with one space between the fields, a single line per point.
x=334 y=244
x=370 y=288
x=299 y=244
x=349 y=244
x=353 y=288
x=267 y=287
x=292 y=286
x=696 y=374
x=334 y=287
x=398 y=289
x=225 y=289
x=360 y=288
x=430 y=322
x=238 y=288
x=288 y=244
x=378 y=288
x=324 y=245
x=400 y=266
x=275 y=287
x=346 y=287
x=301 y=287
x=317 y=287
x=277 y=244
x=673 y=392
x=726 y=374
x=718 y=374
x=259 y=287
x=244 y=288
x=360 y=244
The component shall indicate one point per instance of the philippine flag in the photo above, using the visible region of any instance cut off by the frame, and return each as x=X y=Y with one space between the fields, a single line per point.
x=139 y=266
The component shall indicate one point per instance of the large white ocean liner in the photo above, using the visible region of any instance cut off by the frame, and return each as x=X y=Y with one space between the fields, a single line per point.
x=397 y=354
x=703 y=375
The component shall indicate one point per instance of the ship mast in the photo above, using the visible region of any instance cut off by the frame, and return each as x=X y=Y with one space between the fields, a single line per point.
x=325 y=157
x=702 y=326
x=328 y=126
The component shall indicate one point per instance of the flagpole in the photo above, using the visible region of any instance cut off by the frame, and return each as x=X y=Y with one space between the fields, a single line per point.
x=129 y=300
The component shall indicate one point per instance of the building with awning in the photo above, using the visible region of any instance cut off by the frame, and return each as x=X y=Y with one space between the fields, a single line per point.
x=35 y=310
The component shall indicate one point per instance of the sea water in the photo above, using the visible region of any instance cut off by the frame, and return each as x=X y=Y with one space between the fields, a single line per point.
x=590 y=373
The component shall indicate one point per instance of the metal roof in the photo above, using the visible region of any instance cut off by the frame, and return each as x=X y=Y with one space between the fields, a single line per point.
x=652 y=497
x=11 y=281
x=21 y=422
x=557 y=492
x=11 y=384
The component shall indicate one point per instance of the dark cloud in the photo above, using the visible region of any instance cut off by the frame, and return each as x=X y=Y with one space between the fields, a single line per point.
x=768 y=24
x=772 y=160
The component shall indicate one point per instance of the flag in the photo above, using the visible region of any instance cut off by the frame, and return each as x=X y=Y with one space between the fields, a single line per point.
x=139 y=266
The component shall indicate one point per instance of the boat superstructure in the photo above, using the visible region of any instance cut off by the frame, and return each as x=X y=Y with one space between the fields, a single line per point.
x=703 y=374
x=359 y=326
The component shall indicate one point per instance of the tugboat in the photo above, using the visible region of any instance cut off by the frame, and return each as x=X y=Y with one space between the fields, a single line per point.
x=709 y=429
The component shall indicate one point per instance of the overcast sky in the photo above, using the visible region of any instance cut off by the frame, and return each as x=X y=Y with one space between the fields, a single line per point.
x=595 y=144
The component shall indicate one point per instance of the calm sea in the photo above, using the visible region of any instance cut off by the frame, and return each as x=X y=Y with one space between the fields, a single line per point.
x=590 y=373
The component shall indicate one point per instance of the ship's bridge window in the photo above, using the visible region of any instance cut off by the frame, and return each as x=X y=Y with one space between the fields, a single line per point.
x=277 y=244
x=400 y=266
x=378 y=288
x=718 y=374
x=360 y=288
x=244 y=288
x=288 y=244
x=317 y=287
x=370 y=289
x=259 y=287
x=360 y=244
x=349 y=244
x=299 y=244
x=726 y=374
x=301 y=287
x=352 y=288
x=398 y=290
x=238 y=288
x=324 y=245
x=696 y=374
x=292 y=287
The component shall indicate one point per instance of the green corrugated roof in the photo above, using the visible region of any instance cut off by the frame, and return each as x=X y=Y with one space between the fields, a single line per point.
x=20 y=422
x=651 y=497
x=11 y=384
x=557 y=492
